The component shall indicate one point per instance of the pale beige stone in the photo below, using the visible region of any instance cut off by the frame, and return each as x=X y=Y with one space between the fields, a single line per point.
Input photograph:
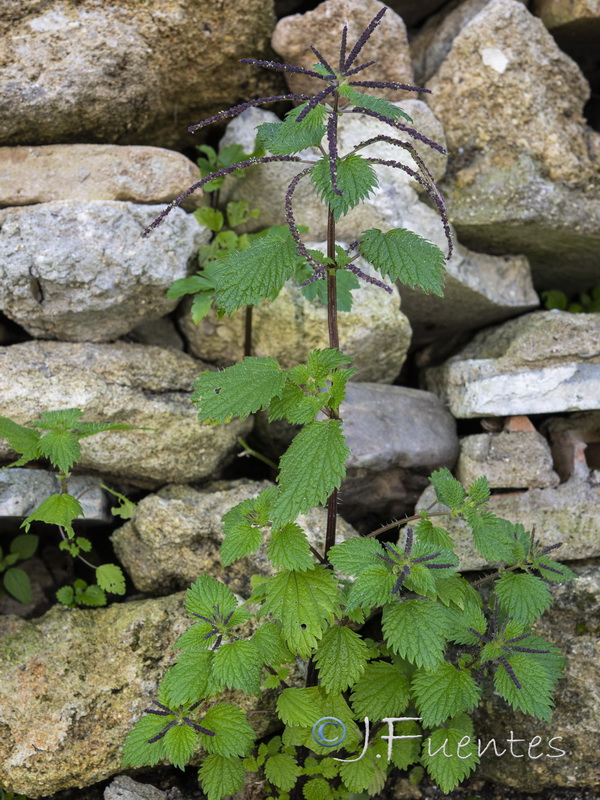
x=323 y=26
x=85 y=172
x=555 y=13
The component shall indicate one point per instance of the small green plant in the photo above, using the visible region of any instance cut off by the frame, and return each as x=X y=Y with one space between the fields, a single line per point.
x=413 y=685
x=55 y=437
x=584 y=303
x=15 y=581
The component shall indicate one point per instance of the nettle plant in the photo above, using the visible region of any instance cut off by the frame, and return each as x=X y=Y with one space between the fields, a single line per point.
x=440 y=639
x=55 y=437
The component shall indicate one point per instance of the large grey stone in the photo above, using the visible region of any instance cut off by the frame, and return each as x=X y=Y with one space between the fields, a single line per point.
x=523 y=175
x=127 y=73
x=176 y=535
x=81 y=271
x=375 y=332
x=567 y=513
x=95 y=172
x=125 y=788
x=22 y=490
x=546 y=361
x=509 y=460
x=322 y=27
x=397 y=437
x=73 y=683
x=144 y=386
x=572 y=623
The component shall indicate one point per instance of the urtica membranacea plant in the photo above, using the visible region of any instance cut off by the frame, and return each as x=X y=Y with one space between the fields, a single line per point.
x=399 y=698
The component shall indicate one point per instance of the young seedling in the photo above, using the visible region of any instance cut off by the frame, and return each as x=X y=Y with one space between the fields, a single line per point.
x=440 y=642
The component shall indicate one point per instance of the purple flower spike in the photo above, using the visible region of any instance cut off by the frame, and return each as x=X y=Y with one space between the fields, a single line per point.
x=323 y=62
x=510 y=671
x=197 y=727
x=291 y=222
x=389 y=85
x=314 y=101
x=343 y=47
x=160 y=735
x=369 y=279
x=275 y=65
x=364 y=37
x=333 y=152
x=359 y=69
x=234 y=111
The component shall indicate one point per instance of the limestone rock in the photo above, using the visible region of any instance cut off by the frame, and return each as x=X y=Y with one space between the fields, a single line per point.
x=322 y=28
x=556 y=13
x=572 y=624
x=96 y=71
x=22 y=490
x=397 y=436
x=73 y=683
x=125 y=788
x=519 y=460
x=375 y=331
x=176 y=535
x=523 y=174
x=543 y=362
x=567 y=513
x=95 y=172
x=81 y=271
x=142 y=385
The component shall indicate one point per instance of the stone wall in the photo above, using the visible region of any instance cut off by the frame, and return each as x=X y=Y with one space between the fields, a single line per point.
x=95 y=100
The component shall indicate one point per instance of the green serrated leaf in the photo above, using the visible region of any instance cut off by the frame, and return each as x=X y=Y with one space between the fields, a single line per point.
x=448 y=490
x=58 y=420
x=377 y=104
x=298 y=707
x=346 y=283
x=180 y=743
x=312 y=467
x=372 y=587
x=21 y=439
x=191 y=285
x=246 y=277
x=317 y=789
x=534 y=696
x=61 y=448
x=211 y=218
x=493 y=537
x=110 y=578
x=271 y=646
x=65 y=595
x=234 y=735
x=206 y=593
x=449 y=757
x=341 y=658
x=406 y=257
x=91 y=596
x=238 y=666
x=201 y=305
x=432 y=536
x=289 y=137
x=522 y=596
x=305 y=602
x=415 y=630
x=354 y=555
x=295 y=406
x=221 y=776
x=137 y=752
x=58 y=509
x=479 y=491
x=283 y=771
x=444 y=692
x=237 y=391
x=16 y=582
x=382 y=691
x=357 y=775
x=356 y=179
x=288 y=548
x=186 y=681
x=551 y=570
x=458 y=622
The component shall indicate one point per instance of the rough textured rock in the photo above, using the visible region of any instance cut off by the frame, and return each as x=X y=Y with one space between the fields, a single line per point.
x=22 y=490
x=555 y=13
x=323 y=29
x=375 y=331
x=82 y=271
x=96 y=71
x=523 y=174
x=72 y=684
x=397 y=436
x=547 y=361
x=176 y=535
x=95 y=172
x=517 y=460
x=142 y=385
x=160 y=332
x=125 y=788
x=567 y=513
x=573 y=624
x=433 y=41
x=479 y=290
